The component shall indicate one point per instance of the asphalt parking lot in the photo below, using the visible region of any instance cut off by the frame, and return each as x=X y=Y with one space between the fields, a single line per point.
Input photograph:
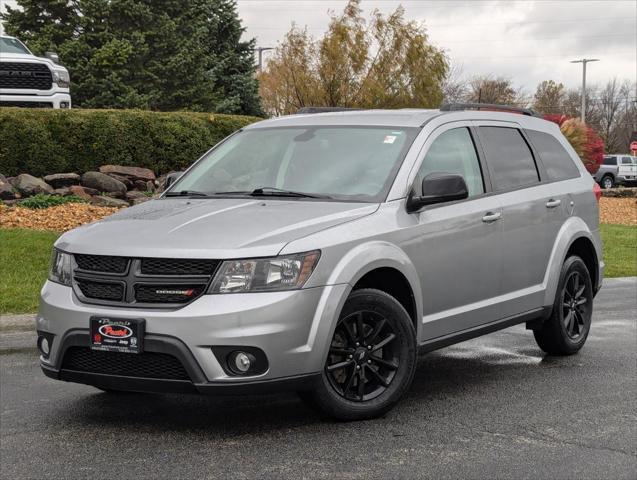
x=494 y=407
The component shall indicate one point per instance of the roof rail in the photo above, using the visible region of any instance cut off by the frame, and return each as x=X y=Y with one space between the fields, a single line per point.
x=325 y=109
x=493 y=107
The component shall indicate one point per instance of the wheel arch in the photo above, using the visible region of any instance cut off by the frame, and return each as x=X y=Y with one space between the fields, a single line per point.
x=386 y=267
x=573 y=238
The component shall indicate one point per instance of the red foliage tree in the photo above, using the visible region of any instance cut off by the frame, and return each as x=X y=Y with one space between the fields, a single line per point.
x=588 y=145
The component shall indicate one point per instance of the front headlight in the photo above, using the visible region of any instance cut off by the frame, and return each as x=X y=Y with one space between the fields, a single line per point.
x=62 y=78
x=60 y=271
x=265 y=274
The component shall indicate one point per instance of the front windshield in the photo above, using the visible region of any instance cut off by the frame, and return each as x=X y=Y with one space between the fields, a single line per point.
x=12 y=45
x=342 y=163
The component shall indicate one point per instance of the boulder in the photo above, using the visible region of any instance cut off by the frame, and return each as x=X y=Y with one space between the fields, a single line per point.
x=61 y=180
x=140 y=185
x=62 y=192
x=125 y=180
x=29 y=185
x=103 y=183
x=137 y=201
x=134 y=173
x=83 y=192
x=133 y=195
x=103 y=201
x=6 y=190
x=150 y=186
x=3 y=179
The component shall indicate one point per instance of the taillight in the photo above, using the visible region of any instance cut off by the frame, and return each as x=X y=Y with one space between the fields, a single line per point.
x=597 y=191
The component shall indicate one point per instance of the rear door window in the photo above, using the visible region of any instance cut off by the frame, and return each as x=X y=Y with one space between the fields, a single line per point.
x=610 y=161
x=510 y=160
x=557 y=162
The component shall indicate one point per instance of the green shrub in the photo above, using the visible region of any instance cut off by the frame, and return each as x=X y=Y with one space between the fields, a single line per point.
x=42 y=200
x=41 y=142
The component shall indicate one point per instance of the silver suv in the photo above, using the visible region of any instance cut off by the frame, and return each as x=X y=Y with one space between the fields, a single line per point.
x=617 y=170
x=322 y=253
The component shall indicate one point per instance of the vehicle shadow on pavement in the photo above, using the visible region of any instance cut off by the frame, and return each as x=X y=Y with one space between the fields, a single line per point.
x=460 y=373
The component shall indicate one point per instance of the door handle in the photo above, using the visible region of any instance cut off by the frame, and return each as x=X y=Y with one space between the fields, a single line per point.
x=491 y=217
x=553 y=203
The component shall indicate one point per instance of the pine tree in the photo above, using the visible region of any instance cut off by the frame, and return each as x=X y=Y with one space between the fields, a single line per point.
x=151 y=54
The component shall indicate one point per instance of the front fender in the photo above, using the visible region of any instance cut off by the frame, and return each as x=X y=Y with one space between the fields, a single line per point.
x=366 y=257
x=571 y=230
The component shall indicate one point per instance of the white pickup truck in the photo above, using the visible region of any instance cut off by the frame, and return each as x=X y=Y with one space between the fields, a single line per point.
x=30 y=81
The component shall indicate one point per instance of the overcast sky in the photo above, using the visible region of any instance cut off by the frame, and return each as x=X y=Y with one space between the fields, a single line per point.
x=527 y=41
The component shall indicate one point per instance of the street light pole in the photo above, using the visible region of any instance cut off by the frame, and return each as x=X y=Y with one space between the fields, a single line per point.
x=584 y=61
x=260 y=51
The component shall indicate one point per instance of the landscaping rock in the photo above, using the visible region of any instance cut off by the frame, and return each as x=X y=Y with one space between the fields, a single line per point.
x=60 y=180
x=125 y=180
x=62 y=192
x=133 y=195
x=134 y=173
x=140 y=185
x=3 y=179
x=150 y=186
x=83 y=192
x=6 y=190
x=29 y=185
x=103 y=183
x=103 y=201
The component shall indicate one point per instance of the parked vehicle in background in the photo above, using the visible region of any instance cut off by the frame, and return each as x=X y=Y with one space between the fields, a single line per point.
x=322 y=252
x=30 y=81
x=617 y=169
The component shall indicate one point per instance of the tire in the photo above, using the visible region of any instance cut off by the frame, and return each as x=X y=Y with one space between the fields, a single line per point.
x=608 y=182
x=374 y=373
x=566 y=330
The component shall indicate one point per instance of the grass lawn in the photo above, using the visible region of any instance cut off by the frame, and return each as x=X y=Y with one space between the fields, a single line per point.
x=620 y=250
x=24 y=261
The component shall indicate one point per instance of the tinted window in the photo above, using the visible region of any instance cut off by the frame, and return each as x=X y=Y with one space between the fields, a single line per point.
x=556 y=160
x=510 y=161
x=610 y=161
x=453 y=152
x=628 y=160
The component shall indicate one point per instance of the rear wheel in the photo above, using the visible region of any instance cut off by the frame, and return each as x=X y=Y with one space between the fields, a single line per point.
x=565 y=332
x=608 y=182
x=371 y=360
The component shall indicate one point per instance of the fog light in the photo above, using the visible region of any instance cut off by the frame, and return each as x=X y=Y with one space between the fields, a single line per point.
x=44 y=346
x=64 y=104
x=241 y=362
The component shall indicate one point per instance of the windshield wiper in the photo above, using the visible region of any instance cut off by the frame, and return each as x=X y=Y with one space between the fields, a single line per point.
x=278 y=192
x=187 y=193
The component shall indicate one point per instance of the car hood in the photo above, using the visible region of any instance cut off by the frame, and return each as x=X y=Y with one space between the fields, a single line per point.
x=209 y=228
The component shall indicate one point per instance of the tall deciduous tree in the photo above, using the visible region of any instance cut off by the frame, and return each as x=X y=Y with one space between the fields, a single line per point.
x=549 y=97
x=157 y=54
x=497 y=90
x=386 y=62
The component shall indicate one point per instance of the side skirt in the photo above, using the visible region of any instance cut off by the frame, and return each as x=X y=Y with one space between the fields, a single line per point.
x=532 y=318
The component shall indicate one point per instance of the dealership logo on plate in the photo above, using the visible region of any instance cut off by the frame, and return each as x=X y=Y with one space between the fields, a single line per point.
x=115 y=331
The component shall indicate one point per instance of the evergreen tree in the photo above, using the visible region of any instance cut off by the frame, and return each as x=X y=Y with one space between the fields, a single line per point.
x=151 y=54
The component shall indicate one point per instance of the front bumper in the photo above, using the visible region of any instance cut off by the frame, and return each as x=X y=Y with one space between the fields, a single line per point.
x=54 y=100
x=293 y=329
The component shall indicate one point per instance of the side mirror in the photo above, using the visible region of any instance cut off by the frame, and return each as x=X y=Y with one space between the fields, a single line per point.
x=172 y=178
x=439 y=188
x=53 y=57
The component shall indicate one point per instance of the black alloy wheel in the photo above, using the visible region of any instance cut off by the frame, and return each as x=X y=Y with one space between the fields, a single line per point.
x=566 y=330
x=575 y=306
x=370 y=360
x=364 y=356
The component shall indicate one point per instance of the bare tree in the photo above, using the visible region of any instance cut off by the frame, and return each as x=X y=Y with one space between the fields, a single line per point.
x=455 y=87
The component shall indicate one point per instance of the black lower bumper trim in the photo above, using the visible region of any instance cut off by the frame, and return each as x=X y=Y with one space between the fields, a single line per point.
x=135 y=384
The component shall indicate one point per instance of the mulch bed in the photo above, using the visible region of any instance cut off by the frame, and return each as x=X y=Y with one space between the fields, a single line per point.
x=622 y=211
x=61 y=218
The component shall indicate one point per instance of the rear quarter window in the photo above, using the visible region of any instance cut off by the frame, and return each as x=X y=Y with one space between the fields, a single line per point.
x=556 y=160
x=510 y=160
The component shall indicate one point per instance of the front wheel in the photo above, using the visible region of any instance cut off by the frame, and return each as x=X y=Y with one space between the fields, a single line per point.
x=608 y=182
x=371 y=360
x=565 y=332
